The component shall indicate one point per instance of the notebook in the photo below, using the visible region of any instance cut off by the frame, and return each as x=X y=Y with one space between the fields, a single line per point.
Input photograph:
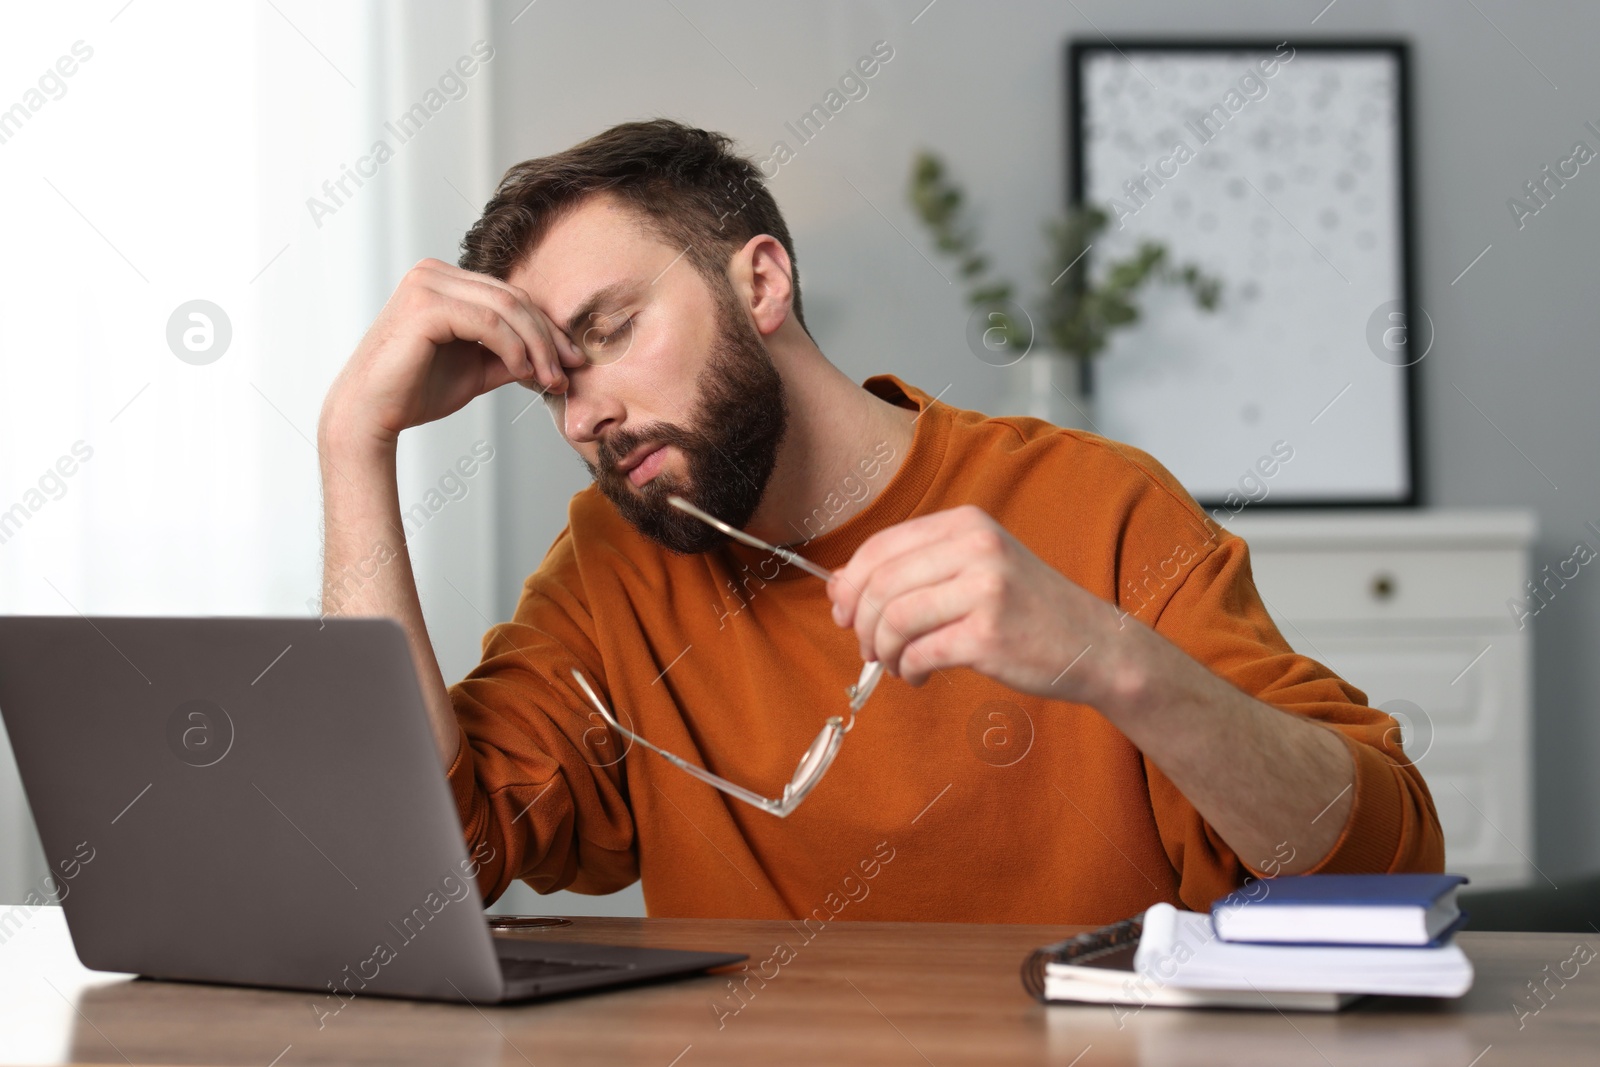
x=1174 y=958
x=1345 y=909
x=1098 y=968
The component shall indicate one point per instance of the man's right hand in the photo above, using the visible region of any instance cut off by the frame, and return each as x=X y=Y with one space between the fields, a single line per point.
x=445 y=337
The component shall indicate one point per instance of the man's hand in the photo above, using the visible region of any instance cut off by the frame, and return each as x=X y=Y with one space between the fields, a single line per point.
x=955 y=589
x=445 y=337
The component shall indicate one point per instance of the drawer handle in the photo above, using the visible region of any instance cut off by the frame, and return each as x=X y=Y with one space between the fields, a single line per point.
x=1383 y=586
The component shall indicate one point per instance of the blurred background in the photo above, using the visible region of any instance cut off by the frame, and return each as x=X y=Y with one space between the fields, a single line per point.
x=184 y=275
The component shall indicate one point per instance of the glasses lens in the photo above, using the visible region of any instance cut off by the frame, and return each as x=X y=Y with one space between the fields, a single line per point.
x=816 y=761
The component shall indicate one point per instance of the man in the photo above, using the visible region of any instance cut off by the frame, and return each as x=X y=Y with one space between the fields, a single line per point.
x=1087 y=709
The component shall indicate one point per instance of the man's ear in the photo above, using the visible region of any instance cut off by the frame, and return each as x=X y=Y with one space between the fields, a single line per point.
x=763 y=276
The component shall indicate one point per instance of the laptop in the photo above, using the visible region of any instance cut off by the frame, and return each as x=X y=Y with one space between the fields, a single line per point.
x=259 y=801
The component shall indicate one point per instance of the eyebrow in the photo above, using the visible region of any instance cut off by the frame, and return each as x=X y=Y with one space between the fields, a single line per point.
x=599 y=299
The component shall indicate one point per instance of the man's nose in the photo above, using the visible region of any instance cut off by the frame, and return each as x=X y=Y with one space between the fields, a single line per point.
x=588 y=414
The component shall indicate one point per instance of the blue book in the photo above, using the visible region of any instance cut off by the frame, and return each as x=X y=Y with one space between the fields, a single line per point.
x=1344 y=909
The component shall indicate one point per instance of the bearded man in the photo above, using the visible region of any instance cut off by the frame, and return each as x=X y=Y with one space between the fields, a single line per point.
x=1087 y=709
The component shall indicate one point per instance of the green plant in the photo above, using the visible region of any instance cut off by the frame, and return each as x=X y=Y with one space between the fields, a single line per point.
x=1078 y=315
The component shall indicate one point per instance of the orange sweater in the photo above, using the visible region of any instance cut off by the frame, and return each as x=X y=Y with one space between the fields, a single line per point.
x=960 y=801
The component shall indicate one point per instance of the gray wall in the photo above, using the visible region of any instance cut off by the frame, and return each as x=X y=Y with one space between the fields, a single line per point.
x=982 y=83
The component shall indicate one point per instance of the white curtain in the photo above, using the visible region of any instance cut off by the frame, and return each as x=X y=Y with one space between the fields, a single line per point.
x=184 y=159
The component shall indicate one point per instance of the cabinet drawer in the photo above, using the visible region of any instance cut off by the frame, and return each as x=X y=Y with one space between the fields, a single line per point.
x=1371 y=585
x=1462 y=690
x=1486 y=827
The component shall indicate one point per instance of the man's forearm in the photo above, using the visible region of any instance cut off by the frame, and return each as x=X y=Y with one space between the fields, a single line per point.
x=1268 y=781
x=366 y=568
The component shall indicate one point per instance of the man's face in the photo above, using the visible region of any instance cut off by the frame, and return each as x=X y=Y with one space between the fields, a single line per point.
x=678 y=395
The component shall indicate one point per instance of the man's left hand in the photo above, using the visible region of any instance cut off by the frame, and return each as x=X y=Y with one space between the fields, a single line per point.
x=955 y=589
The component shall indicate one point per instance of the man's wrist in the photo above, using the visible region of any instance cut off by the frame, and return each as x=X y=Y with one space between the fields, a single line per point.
x=1136 y=678
x=340 y=437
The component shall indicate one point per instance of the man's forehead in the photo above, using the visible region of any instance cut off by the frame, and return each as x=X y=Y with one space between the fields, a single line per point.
x=600 y=243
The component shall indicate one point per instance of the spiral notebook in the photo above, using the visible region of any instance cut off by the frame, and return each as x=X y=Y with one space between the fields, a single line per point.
x=1098 y=968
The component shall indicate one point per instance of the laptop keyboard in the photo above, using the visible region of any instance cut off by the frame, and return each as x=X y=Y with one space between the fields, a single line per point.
x=518 y=969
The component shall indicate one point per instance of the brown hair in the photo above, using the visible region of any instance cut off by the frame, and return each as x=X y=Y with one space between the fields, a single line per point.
x=687 y=184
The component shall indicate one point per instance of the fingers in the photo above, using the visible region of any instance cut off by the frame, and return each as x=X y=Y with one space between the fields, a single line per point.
x=568 y=352
x=918 y=579
x=495 y=372
x=898 y=639
x=924 y=566
x=504 y=319
x=454 y=326
x=538 y=342
x=848 y=581
x=948 y=646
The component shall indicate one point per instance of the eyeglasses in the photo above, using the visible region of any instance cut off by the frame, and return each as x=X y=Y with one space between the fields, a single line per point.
x=818 y=758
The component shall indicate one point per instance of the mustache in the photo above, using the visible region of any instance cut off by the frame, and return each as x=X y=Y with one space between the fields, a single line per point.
x=615 y=446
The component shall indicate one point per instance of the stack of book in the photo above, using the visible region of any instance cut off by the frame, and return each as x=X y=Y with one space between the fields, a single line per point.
x=1308 y=942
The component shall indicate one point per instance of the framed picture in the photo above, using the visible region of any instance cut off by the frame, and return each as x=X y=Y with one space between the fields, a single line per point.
x=1279 y=168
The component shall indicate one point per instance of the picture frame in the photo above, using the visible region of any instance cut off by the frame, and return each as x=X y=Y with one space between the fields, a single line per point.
x=1295 y=190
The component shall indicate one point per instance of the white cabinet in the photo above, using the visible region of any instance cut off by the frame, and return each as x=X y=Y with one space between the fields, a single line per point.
x=1411 y=608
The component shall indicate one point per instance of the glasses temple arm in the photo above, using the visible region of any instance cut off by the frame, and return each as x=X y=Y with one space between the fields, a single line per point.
x=713 y=780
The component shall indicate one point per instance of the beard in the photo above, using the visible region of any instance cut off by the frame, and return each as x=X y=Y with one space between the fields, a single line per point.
x=729 y=450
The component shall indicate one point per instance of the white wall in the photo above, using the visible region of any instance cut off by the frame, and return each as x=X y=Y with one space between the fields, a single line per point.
x=982 y=83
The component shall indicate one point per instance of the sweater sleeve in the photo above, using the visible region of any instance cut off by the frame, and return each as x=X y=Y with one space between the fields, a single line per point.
x=538 y=780
x=1216 y=616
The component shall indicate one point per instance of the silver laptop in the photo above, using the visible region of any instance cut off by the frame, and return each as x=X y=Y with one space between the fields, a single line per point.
x=260 y=802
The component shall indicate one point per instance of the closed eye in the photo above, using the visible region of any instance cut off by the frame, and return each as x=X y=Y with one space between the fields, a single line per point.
x=616 y=334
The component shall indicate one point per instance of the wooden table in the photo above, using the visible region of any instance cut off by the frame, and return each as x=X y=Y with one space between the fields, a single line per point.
x=879 y=993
